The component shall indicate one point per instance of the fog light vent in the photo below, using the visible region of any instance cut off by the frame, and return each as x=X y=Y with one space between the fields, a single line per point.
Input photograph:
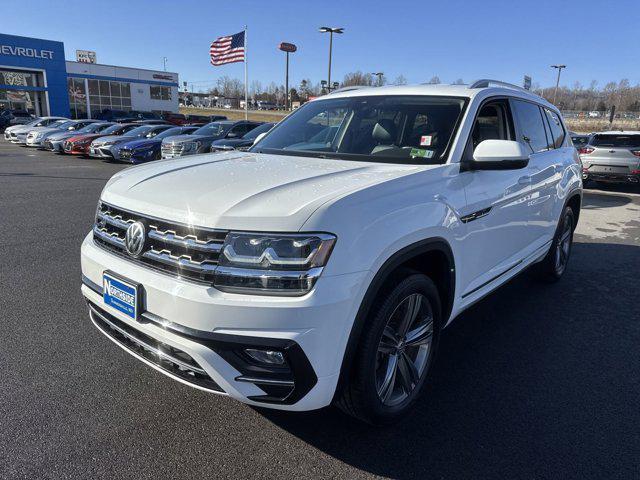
x=270 y=357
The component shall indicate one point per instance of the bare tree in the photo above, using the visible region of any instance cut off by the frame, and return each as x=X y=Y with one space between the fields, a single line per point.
x=459 y=82
x=434 y=80
x=400 y=80
x=230 y=87
x=356 y=79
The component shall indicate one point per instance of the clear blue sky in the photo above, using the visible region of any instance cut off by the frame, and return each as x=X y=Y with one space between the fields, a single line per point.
x=419 y=39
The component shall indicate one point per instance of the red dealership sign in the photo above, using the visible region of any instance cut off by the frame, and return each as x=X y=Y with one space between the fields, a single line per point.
x=287 y=47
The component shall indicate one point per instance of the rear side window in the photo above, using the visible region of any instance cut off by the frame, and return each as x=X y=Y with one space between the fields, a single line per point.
x=529 y=120
x=557 y=132
x=620 y=141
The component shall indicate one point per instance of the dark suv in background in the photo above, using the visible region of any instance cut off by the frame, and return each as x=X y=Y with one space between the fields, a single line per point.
x=14 y=117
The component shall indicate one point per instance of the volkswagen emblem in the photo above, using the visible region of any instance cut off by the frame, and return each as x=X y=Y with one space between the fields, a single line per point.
x=134 y=239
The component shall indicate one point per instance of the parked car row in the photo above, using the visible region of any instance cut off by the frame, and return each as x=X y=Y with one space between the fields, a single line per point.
x=134 y=142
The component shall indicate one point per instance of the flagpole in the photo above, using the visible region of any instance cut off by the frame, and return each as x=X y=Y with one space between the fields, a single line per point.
x=246 y=84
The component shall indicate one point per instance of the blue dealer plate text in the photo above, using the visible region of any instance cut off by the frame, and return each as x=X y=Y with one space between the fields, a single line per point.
x=120 y=295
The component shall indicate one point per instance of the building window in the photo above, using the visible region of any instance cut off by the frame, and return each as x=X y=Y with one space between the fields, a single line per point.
x=77 y=97
x=160 y=93
x=106 y=95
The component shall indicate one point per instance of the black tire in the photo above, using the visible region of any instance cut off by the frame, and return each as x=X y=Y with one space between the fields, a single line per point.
x=554 y=264
x=360 y=397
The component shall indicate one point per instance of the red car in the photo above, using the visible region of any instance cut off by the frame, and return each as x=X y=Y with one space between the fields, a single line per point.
x=175 y=118
x=79 y=145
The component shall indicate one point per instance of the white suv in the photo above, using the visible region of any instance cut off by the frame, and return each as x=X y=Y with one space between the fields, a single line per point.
x=321 y=266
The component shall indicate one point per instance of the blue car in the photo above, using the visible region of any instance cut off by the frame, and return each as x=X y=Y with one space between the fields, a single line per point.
x=147 y=149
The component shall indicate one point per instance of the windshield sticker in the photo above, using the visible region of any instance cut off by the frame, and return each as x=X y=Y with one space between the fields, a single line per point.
x=425 y=141
x=421 y=153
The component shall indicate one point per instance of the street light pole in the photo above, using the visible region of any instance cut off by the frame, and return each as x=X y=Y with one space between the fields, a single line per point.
x=559 y=67
x=331 y=31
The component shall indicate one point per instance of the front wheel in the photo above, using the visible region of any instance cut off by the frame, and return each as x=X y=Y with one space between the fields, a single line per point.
x=395 y=353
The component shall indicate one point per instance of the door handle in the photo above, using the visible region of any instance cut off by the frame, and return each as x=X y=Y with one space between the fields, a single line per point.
x=526 y=180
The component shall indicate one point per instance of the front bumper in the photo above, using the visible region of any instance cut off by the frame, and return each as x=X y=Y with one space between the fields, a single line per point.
x=100 y=152
x=213 y=328
x=31 y=142
x=53 y=145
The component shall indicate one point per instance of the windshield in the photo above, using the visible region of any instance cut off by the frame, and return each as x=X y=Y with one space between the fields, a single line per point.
x=580 y=140
x=257 y=131
x=33 y=122
x=400 y=129
x=620 y=141
x=170 y=132
x=112 y=129
x=92 y=127
x=63 y=124
x=138 y=131
x=212 y=129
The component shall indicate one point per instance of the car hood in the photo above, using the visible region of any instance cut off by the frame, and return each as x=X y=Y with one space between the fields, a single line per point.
x=21 y=129
x=242 y=190
x=186 y=138
x=43 y=129
x=231 y=142
x=113 y=138
x=63 y=135
x=142 y=142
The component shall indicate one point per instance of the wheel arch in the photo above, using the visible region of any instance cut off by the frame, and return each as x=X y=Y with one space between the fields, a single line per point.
x=434 y=258
x=575 y=202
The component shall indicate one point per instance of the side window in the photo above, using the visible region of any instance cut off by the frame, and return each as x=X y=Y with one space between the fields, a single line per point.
x=557 y=132
x=492 y=123
x=239 y=130
x=529 y=120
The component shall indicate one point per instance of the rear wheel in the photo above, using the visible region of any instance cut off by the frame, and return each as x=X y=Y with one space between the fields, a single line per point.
x=555 y=263
x=395 y=353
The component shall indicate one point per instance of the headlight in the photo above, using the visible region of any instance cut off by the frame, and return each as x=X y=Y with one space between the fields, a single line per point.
x=108 y=144
x=272 y=264
x=191 y=146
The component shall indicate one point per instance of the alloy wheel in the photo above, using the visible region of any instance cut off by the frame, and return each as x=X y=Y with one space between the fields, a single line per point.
x=563 y=247
x=404 y=349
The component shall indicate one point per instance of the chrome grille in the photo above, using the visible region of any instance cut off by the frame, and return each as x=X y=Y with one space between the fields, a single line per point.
x=182 y=250
x=172 y=149
x=124 y=154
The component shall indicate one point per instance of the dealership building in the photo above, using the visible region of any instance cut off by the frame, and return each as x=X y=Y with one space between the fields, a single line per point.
x=35 y=76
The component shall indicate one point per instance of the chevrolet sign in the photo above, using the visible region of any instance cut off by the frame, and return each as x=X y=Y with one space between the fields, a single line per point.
x=26 y=52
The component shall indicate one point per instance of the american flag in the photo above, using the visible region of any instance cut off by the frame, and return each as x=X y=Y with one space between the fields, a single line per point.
x=227 y=49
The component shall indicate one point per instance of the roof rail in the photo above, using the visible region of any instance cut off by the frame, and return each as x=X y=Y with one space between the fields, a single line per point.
x=346 y=89
x=486 y=82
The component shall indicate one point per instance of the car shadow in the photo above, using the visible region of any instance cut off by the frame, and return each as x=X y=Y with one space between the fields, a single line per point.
x=593 y=200
x=534 y=381
x=612 y=187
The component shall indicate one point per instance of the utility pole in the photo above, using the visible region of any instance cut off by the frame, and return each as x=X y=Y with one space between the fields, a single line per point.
x=559 y=67
x=330 y=31
x=164 y=63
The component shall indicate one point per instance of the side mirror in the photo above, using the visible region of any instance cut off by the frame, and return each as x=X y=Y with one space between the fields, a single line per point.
x=259 y=137
x=499 y=155
x=232 y=135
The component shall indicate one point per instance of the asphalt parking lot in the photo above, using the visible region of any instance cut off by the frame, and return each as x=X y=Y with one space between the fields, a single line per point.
x=535 y=381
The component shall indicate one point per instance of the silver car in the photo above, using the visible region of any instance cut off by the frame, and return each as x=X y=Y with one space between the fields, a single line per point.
x=55 y=141
x=612 y=157
x=18 y=133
